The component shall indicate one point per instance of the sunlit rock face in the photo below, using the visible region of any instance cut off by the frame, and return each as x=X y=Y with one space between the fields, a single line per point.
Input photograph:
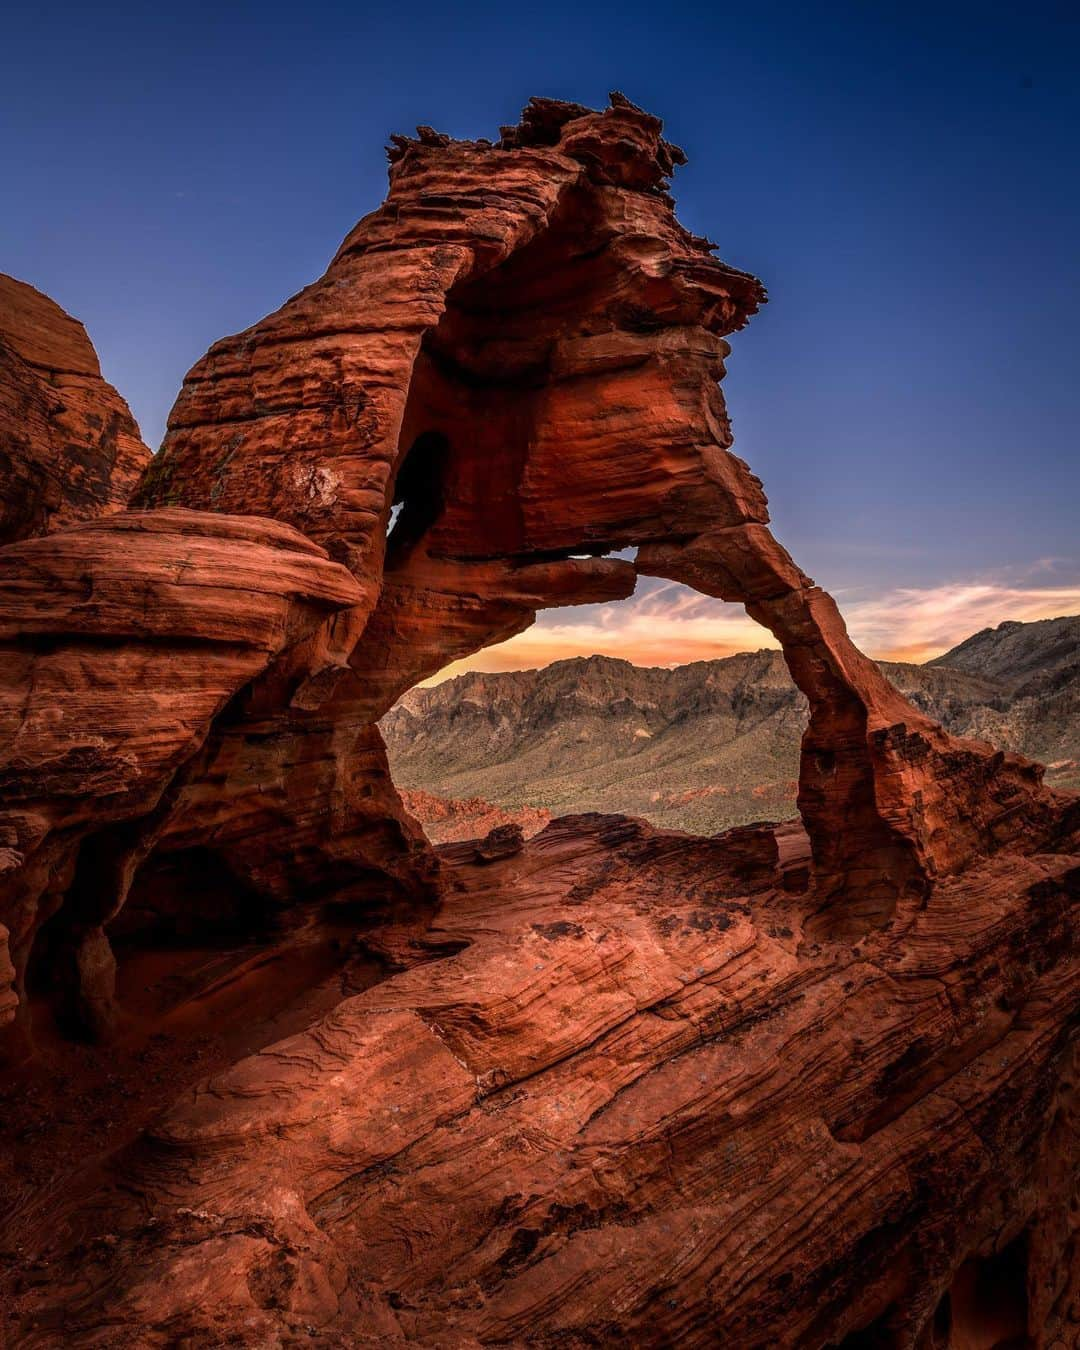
x=612 y=1082
x=69 y=446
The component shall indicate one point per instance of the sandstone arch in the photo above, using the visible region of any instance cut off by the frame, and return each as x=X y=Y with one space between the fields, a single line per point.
x=624 y=1085
x=534 y=306
x=536 y=303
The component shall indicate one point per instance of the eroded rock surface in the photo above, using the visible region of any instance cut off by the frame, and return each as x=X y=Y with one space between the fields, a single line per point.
x=640 y=1105
x=69 y=446
x=776 y=1088
x=121 y=639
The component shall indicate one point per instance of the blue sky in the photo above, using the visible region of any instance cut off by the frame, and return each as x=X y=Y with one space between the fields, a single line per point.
x=902 y=177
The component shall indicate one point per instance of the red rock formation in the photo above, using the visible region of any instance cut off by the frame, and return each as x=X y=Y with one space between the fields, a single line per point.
x=521 y=350
x=639 y=1106
x=371 y=386
x=889 y=799
x=69 y=447
x=627 y=1086
x=120 y=641
x=448 y=820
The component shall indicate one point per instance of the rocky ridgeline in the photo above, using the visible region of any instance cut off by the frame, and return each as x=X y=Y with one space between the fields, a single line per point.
x=713 y=744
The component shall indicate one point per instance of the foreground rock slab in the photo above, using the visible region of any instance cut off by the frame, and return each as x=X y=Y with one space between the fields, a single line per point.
x=638 y=1104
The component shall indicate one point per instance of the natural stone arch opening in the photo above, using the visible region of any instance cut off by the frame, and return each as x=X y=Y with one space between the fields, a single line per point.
x=580 y=412
x=580 y=377
x=536 y=304
x=666 y=706
x=553 y=322
x=838 y=1082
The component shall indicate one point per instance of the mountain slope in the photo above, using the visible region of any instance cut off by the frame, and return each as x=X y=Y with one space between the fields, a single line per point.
x=705 y=746
x=1019 y=655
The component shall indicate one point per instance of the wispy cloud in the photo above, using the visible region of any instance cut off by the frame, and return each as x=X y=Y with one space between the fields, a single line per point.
x=669 y=624
x=645 y=639
x=913 y=624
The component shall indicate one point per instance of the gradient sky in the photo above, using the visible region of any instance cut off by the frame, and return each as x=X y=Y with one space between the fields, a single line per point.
x=904 y=178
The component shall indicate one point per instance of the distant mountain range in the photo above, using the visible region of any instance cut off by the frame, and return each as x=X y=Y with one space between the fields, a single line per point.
x=705 y=746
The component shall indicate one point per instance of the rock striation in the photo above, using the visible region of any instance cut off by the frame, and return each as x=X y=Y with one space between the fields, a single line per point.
x=738 y=1136
x=121 y=640
x=607 y=1083
x=69 y=446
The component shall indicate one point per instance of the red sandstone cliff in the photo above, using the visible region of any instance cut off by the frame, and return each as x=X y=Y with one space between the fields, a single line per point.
x=777 y=1088
x=69 y=447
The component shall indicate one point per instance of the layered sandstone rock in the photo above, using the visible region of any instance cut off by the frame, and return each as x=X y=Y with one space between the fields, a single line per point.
x=120 y=641
x=775 y=1088
x=520 y=350
x=640 y=1106
x=69 y=447
x=448 y=820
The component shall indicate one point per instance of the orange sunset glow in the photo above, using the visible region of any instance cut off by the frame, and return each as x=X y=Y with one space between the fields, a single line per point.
x=673 y=626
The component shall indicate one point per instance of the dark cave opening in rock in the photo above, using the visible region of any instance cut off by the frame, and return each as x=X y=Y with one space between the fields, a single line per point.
x=418 y=498
x=987 y=1305
x=48 y=980
x=189 y=895
x=85 y=964
x=879 y=1335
